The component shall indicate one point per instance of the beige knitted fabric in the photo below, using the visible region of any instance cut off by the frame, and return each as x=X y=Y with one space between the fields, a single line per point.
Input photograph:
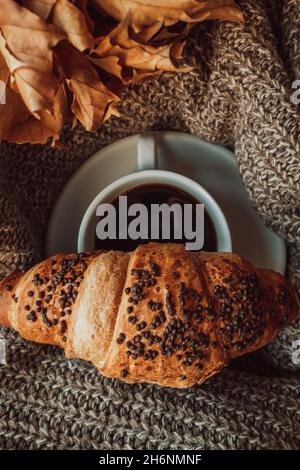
x=238 y=95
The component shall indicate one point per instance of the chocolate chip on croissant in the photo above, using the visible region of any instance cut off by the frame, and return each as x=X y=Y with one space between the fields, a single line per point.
x=160 y=314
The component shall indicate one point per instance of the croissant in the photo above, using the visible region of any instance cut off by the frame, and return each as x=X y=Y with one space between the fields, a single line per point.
x=159 y=314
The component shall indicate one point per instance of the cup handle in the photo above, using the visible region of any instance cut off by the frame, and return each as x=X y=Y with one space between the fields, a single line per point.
x=146 y=152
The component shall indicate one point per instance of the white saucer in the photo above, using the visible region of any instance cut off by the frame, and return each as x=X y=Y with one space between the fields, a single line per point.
x=213 y=166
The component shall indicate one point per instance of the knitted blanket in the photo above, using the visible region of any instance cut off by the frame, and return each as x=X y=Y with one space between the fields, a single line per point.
x=239 y=94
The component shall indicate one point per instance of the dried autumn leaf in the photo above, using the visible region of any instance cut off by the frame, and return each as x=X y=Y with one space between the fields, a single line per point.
x=19 y=126
x=83 y=6
x=26 y=43
x=92 y=102
x=4 y=72
x=72 y=21
x=158 y=13
x=5 y=107
x=117 y=51
x=41 y=54
x=67 y=17
x=165 y=35
x=41 y=8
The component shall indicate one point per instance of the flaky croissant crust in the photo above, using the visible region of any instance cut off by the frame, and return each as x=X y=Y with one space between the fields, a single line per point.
x=160 y=314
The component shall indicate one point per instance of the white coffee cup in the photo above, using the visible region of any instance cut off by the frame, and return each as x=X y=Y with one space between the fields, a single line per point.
x=147 y=175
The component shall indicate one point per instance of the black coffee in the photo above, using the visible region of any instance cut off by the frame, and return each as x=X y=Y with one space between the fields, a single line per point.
x=157 y=194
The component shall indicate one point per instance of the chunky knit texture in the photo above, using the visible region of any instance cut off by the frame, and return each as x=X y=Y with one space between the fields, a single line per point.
x=238 y=95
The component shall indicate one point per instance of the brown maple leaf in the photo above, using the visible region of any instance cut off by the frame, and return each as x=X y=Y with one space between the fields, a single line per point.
x=18 y=125
x=116 y=52
x=92 y=102
x=41 y=8
x=26 y=43
x=151 y=15
x=58 y=65
x=67 y=17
